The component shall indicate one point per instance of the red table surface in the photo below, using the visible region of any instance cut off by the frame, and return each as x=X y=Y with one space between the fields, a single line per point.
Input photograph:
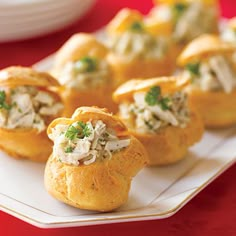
x=212 y=212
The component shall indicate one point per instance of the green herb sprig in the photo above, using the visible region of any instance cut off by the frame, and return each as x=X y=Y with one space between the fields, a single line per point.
x=153 y=97
x=178 y=10
x=86 y=64
x=80 y=131
x=3 y=104
x=136 y=27
x=193 y=68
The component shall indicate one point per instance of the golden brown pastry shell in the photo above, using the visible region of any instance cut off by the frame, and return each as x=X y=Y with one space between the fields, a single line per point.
x=77 y=47
x=167 y=84
x=217 y=108
x=204 y=46
x=102 y=185
x=101 y=97
x=140 y=68
x=170 y=144
x=27 y=143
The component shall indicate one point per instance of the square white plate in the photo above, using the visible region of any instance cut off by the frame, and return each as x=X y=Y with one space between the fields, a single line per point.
x=156 y=192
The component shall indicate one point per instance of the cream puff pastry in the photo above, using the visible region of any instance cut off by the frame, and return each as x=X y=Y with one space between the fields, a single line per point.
x=135 y=50
x=184 y=20
x=94 y=160
x=82 y=69
x=158 y=113
x=208 y=62
x=27 y=105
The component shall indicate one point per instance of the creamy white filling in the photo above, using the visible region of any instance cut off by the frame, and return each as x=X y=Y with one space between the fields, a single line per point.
x=82 y=80
x=195 y=20
x=215 y=73
x=28 y=108
x=229 y=35
x=99 y=143
x=149 y=119
x=138 y=45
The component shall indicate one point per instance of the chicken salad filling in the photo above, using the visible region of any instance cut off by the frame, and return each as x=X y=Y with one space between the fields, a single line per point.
x=136 y=43
x=214 y=73
x=85 y=73
x=85 y=143
x=27 y=107
x=190 y=19
x=151 y=111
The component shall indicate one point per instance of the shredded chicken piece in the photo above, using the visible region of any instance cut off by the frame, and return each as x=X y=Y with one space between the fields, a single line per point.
x=134 y=45
x=99 y=143
x=28 y=108
x=149 y=119
x=72 y=78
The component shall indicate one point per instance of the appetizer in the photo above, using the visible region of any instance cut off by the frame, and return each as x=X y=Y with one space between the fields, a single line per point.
x=83 y=71
x=184 y=20
x=27 y=105
x=93 y=161
x=158 y=113
x=207 y=61
x=135 y=50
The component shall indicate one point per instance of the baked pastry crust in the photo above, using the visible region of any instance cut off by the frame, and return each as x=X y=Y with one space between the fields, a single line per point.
x=216 y=107
x=27 y=143
x=78 y=46
x=202 y=47
x=102 y=185
x=169 y=144
x=138 y=67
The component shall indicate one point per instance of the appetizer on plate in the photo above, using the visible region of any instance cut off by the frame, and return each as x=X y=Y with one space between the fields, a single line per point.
x=158 y=113
x=93 y=161
x=27 y=105
x=184 y=20
x=208 y=62
x=135 y=50
x=82 y=69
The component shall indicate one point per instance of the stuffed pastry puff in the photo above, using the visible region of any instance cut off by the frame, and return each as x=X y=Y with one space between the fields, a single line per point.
x=27 y=105
x=184 y=20
x=135 y=51
x=158 y=113
x=207 y=61
x=93 y=160
x=83 y=71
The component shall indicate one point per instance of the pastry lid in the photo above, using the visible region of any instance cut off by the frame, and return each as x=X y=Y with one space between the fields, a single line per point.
x=203 y=46
x=21 y=76
x=92 y=113
x=167 y=84
x=123 y=19
x=77 y=47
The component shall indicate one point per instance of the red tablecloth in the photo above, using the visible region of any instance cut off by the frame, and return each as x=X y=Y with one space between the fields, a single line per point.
x=212 y=212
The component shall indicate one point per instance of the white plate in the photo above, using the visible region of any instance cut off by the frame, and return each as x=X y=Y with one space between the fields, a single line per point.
x=21 y=23
x=156 y=193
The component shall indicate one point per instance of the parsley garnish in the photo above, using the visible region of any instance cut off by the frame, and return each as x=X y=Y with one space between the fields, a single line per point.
x=3 y=104
x=178 y=9
x=136 y=27
x=81 y=130
x=153 y=97
x=193 y=68
x=69 y=149
x=86 y=64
